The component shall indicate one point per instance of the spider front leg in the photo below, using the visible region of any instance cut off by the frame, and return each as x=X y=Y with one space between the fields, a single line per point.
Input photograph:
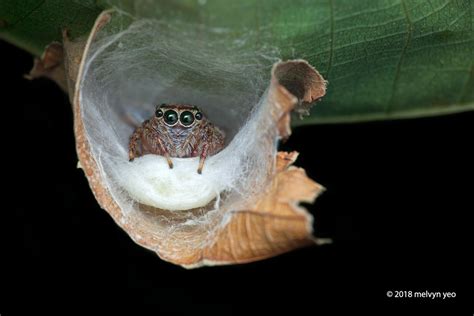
x=202 y=158
x=135 y=144
x=166 y=154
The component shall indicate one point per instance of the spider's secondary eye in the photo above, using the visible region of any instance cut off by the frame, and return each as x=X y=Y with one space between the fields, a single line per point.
x=186 y=118
x=198 y=116
x=159 y=113
x=171 y=117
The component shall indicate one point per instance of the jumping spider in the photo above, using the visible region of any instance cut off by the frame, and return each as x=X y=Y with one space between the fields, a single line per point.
x=177 y=130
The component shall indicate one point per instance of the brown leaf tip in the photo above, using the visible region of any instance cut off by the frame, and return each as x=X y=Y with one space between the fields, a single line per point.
x=50 y=65
x=296 y=85
x=302 y=80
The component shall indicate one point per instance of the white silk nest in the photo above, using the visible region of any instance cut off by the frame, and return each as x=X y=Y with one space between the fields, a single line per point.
x=129 y=68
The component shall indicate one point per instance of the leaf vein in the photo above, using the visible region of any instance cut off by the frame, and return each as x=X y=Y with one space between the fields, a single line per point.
x=402 y=55
x=331 y=38
x=28 y=14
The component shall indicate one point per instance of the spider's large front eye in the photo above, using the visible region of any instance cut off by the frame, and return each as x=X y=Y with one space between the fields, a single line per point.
x=186 y=118
x=171 y=117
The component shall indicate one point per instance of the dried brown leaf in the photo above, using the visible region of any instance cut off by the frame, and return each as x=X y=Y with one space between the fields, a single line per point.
x=275 y=224
x=50 y=65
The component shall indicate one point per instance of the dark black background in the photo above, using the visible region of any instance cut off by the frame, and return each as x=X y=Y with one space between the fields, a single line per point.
x=398 y=206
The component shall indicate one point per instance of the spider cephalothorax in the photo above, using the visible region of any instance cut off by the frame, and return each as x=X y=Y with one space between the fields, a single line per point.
x=177 y=130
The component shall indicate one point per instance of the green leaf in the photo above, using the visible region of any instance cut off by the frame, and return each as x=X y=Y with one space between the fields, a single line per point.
x=33 y=24
x=383 y=58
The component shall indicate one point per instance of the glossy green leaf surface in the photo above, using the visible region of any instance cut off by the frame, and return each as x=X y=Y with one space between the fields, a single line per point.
x=383 y=58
